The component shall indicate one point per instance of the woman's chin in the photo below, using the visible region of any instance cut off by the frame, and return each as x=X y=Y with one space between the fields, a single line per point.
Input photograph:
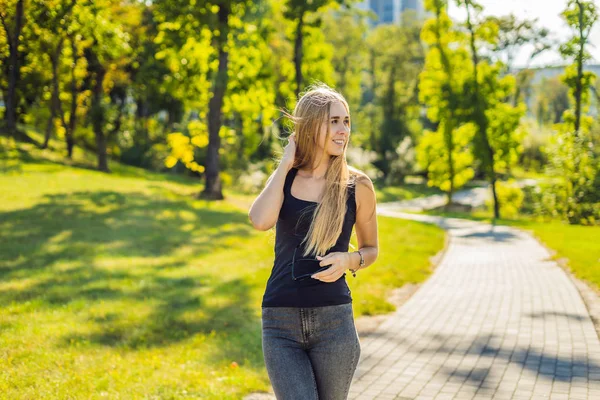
x=336 y=152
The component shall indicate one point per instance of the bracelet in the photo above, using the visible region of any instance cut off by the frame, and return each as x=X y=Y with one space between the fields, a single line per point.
x=360 y=265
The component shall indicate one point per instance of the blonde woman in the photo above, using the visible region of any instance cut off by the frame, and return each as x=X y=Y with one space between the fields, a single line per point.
x=310 y=344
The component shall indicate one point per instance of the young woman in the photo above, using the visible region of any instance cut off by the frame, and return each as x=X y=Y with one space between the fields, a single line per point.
x=310 y=344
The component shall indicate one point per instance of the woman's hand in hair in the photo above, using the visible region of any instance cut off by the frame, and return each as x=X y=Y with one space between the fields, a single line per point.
x=289 y=152
x=339 y=261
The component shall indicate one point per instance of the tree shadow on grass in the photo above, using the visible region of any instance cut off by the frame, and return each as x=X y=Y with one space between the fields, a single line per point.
x=12 y=162
x=81 y=226
x=53 y=253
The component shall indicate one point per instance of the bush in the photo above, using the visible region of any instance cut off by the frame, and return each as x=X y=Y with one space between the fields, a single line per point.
x=510 y=197
x=252 y=180
x=576 y=162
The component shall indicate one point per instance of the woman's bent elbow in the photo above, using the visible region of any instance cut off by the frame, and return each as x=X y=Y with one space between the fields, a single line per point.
x=261 y=226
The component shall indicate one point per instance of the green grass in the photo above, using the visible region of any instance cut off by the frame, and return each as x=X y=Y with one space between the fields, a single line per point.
x=407 y=191
x=576 y=246
x=124 y=285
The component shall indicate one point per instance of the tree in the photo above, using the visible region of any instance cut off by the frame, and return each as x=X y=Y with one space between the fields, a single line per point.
x=248 y=92
x=572 y=154
x=299 y=11
x=106 y=47
x=350 y=50
x=497 y=141
x=54 y=22
x=13 y=26
x=580 y=16
x=445 y=152
x=212 y=187
x=396 y=59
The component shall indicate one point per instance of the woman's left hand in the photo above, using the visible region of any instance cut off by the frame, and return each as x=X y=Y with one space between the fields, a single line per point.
x=339 y=261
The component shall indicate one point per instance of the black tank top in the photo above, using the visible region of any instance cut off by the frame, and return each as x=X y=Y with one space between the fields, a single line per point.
x=292 y=226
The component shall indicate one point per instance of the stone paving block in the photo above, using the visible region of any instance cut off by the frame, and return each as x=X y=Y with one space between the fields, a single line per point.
x=386 y=397
x=444 y=396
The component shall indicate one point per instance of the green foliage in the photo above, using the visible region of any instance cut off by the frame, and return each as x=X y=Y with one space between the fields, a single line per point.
x=573 y=157
x=580 y=15
x=432 y=154
x=317 y=58
x=576 y=196
x=445 y=153
x=552 y=101
x=533 y=158
x=587 y=81
x=510 y=197
x=349 y=55
x=498 y=137
x=189 y=64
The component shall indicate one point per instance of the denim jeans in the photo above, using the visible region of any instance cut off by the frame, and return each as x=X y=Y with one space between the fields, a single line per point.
x=310 y=353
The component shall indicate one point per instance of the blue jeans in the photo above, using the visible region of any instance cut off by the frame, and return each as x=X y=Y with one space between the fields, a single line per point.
x=310 y=353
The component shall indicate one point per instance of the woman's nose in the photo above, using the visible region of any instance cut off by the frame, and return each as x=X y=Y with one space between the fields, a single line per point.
x=344 y=128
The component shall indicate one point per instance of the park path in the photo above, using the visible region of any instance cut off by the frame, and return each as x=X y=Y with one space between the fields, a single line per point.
x=496 y=320
x=474 y=197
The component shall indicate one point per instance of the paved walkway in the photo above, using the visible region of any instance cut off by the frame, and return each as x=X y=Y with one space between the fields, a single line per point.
x=496 y=320
x=472 y=197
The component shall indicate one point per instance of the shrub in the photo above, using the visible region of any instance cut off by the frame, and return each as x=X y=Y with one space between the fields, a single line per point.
x=510 y=197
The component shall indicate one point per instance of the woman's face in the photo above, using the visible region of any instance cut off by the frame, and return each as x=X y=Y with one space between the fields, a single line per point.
x=339 y=126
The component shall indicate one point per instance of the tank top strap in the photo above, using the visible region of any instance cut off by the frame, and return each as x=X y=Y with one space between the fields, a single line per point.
x=352 y=192
x=289 y=178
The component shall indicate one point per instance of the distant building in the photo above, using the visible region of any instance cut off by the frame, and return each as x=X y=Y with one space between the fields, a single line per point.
x=553 y=71
x=390 y=11
x=550 y=72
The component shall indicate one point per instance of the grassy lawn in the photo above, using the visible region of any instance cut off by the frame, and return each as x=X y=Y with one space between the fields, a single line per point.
x=408 y=191
x=576 y=244
x=124 y=285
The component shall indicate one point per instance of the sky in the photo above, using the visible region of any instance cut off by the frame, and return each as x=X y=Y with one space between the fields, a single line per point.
x=548 y=14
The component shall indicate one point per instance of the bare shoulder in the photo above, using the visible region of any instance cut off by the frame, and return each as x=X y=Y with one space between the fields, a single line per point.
x=365 y=191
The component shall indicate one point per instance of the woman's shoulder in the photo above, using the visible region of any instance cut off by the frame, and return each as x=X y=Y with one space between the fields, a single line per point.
x=363 y=187
x=359 y=177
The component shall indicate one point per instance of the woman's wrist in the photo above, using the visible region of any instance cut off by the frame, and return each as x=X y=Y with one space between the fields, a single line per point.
x=355 y=264
x=285 y=166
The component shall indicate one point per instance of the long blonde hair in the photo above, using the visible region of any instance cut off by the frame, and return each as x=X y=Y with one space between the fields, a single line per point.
x=311 y=111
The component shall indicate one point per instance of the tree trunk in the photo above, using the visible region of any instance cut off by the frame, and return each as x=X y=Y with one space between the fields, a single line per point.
x=450 y=118
x=70 y=130
x=579 y=84
x=298 y=53
x=97 y=110
x=480 y=117
x=495 y=196
x=373 y=135
x=343 y=71
x=212 y=189
x=49 y=127
x=13 y=39
x=56 y=103
x=449 y=140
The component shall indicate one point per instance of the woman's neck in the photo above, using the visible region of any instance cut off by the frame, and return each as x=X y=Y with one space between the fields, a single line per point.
x=318 y=171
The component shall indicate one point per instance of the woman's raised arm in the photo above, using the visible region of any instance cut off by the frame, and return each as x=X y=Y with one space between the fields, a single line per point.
x=265 y=210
